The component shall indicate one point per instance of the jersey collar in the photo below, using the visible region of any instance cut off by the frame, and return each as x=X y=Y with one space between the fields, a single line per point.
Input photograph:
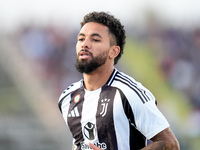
x=109 y=82
x=111 y=78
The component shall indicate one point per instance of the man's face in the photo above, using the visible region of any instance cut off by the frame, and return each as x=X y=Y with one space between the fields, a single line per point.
x=92 y=47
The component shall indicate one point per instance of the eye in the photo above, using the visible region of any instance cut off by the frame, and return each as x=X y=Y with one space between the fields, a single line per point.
x=95 y=40
x=81 y=39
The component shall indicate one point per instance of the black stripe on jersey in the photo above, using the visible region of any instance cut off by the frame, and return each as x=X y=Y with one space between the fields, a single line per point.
x=141 y=93
x=134 y=85
x=104 y=118
x=75 y=124
x=110 y=80
x=137 y=140
x=132 y=89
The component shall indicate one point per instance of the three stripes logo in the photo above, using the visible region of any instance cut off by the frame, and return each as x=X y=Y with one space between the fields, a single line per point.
x=74 y=112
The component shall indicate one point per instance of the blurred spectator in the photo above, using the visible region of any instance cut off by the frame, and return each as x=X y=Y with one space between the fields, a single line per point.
x=46 y=49
x=180 y=60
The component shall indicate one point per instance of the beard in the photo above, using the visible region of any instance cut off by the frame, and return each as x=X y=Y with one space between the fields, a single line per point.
x=85 y=66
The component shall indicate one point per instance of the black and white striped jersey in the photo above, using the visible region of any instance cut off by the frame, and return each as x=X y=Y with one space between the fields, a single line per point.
x=121 y=115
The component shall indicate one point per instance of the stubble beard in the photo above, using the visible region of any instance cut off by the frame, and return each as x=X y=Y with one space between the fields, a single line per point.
x=85 y=66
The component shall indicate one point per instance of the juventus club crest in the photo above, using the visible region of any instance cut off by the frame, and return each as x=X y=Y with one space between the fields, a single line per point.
x=104 y=106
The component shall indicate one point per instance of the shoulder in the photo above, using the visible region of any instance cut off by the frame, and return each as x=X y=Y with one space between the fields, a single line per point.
x=132 y=88
x=118 y=78
x=70 y=89
x=67 y=93
x=125 y=82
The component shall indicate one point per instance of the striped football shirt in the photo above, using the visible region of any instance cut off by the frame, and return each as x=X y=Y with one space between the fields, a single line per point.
x=121 y=115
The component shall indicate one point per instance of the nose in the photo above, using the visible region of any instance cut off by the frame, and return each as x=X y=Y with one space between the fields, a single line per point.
x=85 y=44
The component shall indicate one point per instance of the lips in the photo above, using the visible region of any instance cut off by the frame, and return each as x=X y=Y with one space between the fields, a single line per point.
x=84 y=54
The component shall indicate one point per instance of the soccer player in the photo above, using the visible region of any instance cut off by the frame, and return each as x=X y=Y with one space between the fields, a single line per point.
x=107 y=109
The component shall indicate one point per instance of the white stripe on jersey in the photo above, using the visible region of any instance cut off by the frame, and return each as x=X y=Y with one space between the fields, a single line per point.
x=121 y=124
x=89 y=110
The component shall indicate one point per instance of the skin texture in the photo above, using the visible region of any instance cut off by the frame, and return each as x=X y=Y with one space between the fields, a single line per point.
x=164 y=140
x=95 y=38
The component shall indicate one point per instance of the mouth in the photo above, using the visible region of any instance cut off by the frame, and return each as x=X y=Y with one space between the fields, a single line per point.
x=84 y=54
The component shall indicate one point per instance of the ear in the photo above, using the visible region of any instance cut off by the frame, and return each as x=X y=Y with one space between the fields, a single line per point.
x=115 y=50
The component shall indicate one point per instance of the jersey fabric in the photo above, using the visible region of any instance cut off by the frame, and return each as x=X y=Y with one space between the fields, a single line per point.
x=121 y=115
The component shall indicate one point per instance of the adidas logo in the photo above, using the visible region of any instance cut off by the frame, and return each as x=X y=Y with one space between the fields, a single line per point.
x=74 y=113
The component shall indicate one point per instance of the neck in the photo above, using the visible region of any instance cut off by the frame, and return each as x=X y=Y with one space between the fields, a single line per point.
x=97 y=78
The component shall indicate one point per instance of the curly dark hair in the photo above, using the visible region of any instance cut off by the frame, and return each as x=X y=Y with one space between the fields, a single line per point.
x=114 y=25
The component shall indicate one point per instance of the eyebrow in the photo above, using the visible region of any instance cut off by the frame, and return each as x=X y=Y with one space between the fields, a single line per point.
x=93 y=34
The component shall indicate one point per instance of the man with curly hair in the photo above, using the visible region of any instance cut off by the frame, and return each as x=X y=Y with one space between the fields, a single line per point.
x=107 y=109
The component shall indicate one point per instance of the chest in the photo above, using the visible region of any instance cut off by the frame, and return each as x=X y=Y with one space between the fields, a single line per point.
x=88 y=106
x=92 y=115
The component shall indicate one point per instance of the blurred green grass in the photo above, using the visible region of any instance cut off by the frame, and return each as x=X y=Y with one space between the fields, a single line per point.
x=12 y=101
x=142 y=63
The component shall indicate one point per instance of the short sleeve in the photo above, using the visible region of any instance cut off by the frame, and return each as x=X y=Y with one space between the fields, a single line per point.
x=148 y=118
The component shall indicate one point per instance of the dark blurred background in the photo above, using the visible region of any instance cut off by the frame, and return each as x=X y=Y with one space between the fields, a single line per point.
x=37 y=56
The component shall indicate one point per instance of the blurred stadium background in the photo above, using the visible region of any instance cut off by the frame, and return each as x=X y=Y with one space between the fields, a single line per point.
x=37 y=54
